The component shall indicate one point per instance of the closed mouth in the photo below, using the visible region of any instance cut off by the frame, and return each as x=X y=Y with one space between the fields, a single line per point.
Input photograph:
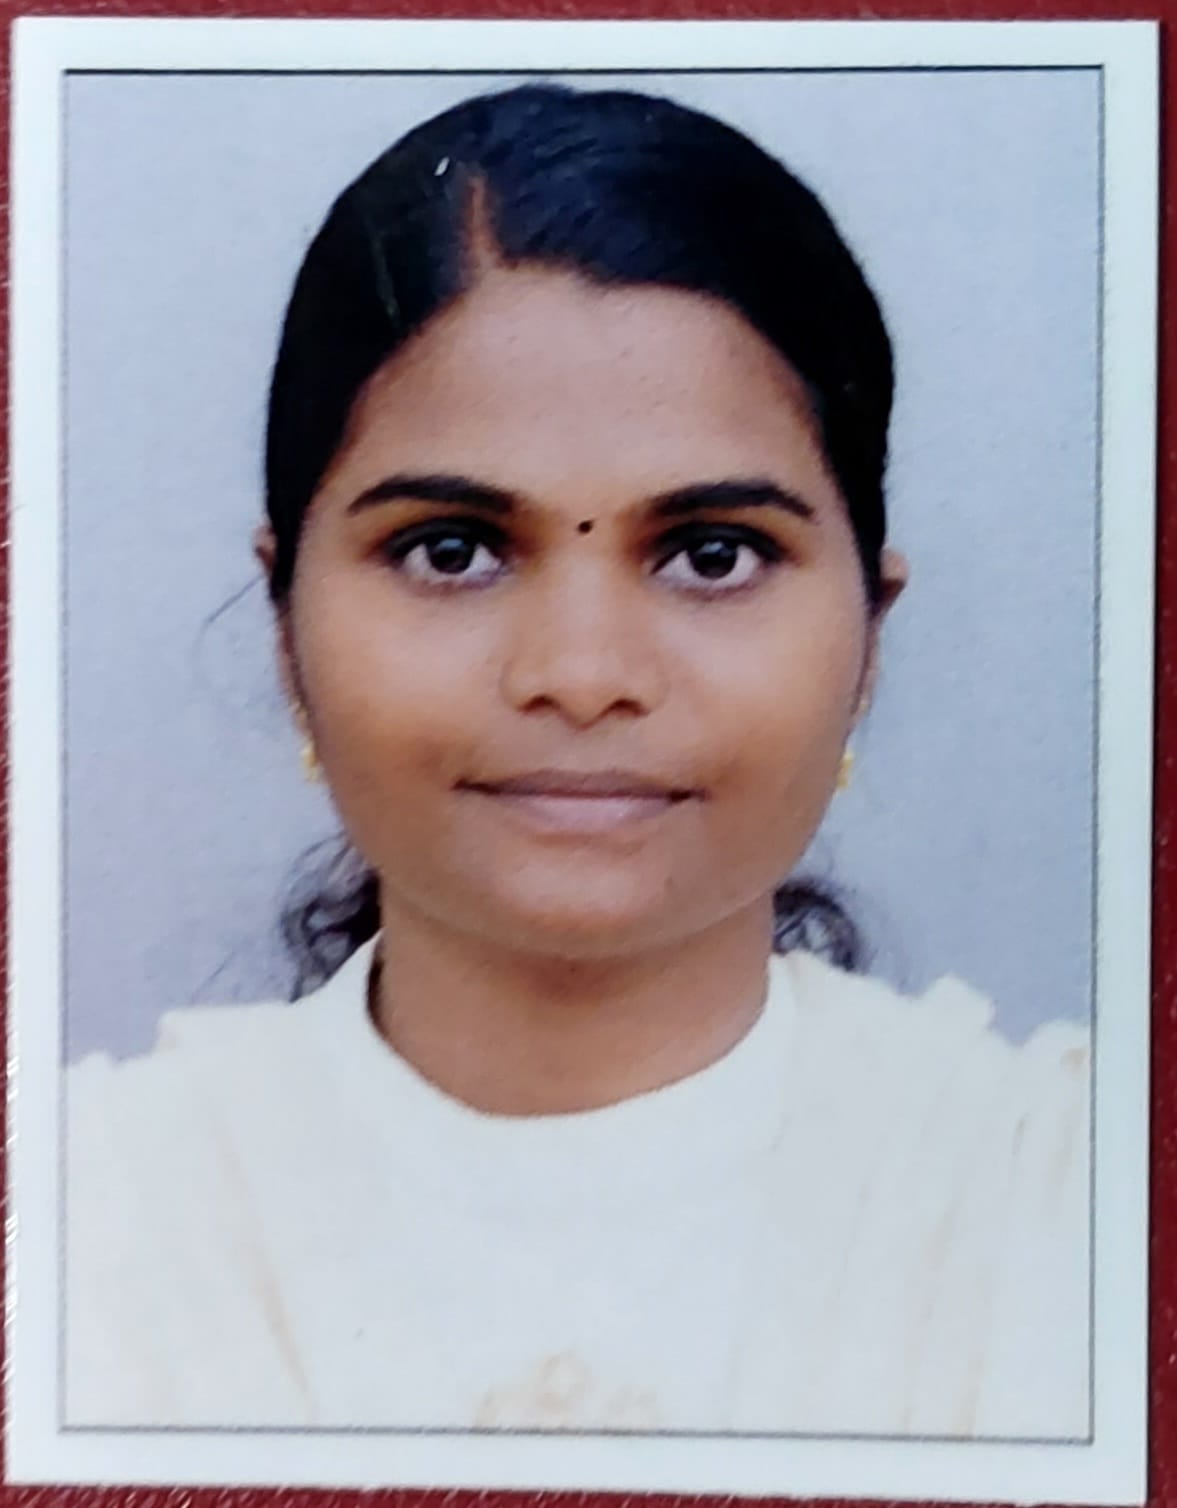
x=600 y=785
x=581 y=804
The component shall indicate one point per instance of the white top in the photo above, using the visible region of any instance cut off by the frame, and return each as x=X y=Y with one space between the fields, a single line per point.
x=870 y=1217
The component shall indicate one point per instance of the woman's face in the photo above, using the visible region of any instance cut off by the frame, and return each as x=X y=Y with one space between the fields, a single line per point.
x=578 y=619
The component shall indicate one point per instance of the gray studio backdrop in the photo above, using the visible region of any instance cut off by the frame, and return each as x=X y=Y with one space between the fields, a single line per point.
x=972 y=198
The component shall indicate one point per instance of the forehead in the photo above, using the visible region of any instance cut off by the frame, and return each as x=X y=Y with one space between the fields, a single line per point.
x=535 y=377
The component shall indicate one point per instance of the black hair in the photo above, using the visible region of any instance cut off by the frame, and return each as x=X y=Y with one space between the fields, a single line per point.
x=620 y=188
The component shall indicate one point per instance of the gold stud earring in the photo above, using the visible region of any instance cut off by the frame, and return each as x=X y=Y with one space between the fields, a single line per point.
x=311 y=768
x=845 y=769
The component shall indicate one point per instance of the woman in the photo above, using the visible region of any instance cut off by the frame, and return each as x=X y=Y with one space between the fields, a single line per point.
x=576 y=545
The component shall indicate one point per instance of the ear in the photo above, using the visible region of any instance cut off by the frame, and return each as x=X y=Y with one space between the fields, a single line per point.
x=894 y=574
x=265 y=549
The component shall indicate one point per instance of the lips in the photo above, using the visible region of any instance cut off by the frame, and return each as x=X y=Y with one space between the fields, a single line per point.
x=581 y=802
x=601 y=785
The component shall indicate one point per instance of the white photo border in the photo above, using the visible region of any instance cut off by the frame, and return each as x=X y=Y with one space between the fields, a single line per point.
x=1109 y=1468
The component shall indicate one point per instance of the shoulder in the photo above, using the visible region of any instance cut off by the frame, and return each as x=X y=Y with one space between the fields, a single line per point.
x=211 y=1071
x=939 y=1054
x=194 y=1041
x=229 y=1101
x=948 y=1016
x=187 y=1041
x=178 y=1163
x=223 y=1085
x=142 y=1129
x=959 y=1161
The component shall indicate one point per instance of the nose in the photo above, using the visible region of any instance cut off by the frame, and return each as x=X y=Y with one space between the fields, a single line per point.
x=584 y=649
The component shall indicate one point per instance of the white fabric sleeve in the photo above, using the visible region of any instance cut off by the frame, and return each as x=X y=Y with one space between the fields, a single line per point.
x=1036 y=1382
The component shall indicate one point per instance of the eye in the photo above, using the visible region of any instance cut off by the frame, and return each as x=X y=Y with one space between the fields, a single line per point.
x=717 y=559
x=447 y=553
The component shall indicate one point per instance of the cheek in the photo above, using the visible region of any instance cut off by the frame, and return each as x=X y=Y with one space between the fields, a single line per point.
x=391 y=693
x=786 y=682
x=779 y=704
x=788 y=721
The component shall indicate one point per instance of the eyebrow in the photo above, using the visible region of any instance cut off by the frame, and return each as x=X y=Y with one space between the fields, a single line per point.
x=464 y=492
x=436 y=487
x=757 y=492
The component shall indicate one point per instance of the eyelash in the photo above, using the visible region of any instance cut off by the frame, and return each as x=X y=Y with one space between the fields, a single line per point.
x=474 y=532
x=679 y=541
x=477 y=535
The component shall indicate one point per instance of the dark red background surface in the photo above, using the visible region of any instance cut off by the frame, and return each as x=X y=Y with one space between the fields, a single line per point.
x=1163 y=1360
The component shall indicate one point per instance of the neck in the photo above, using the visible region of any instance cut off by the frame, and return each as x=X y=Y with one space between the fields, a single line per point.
x=517 y=1034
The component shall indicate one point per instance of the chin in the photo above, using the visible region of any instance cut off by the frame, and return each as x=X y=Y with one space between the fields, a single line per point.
x=577 y=929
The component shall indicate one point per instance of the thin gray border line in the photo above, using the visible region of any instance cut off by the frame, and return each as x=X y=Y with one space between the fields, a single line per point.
x=421 y=72
x=63 y=710
x=1096 y=728
x=446 y=1431
x=1067 y=1442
